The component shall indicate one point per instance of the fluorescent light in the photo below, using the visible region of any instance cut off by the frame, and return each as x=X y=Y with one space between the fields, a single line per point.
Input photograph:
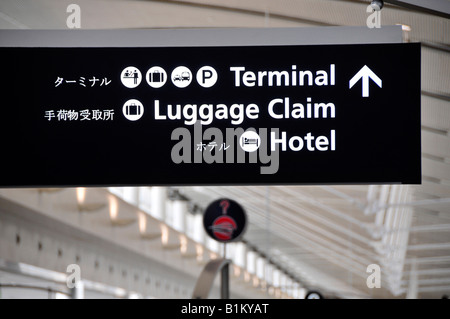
x=164 y=234
x=113 y=207
x=183 y=244
x=142 y=220
x=199 y=250
x=81 y=195
x=404 y=27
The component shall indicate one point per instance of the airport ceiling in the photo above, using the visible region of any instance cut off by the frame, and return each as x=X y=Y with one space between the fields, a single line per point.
x=325 y=236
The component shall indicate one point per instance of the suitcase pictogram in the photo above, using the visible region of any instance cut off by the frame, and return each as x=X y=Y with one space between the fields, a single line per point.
x=156 y=76
x=133 y=109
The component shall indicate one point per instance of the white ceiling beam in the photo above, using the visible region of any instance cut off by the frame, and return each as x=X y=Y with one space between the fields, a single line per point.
x=428 y=247
x=435 y=144
x=434 y=189
x=429 y=260
x=328 y=209
x=435 y=112
x=426 y=282
x=430 y=272
x=434 y=289
x=281 y=216
x=345 y=232
x=420 y=203
x=435 y=169
x=354 y=201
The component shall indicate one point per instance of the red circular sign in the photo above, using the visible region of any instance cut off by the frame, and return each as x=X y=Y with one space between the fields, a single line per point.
x=224 y=220
x=223 y=227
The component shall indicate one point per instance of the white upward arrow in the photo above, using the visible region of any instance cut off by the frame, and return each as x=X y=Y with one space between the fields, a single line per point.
x=365 y=73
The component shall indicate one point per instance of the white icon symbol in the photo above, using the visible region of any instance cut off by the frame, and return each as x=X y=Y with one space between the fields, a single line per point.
x=131 y=77
x=365 y=74
x=181 y=77
x=133 y=110
x=207 y=76
x=250 y=141
x=156 y=77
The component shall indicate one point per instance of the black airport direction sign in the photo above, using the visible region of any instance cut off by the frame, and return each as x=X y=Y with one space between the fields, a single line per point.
x=255 y=115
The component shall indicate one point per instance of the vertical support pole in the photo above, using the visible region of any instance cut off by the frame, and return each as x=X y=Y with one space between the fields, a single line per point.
x=225 y=277
x=225 y=284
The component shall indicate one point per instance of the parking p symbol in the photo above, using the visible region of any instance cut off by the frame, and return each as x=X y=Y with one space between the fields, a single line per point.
x=206 y=76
